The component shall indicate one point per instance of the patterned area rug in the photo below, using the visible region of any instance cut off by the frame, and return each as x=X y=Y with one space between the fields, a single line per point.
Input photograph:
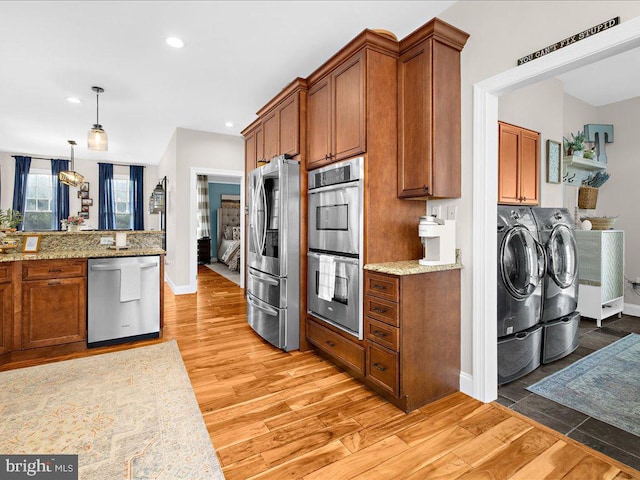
x=128 y=415
x=604 y=385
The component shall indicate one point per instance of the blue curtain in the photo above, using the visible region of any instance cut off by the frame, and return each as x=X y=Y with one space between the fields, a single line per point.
x=106 y=202
x=60 y=195
x=20 y=184
x=136 y=196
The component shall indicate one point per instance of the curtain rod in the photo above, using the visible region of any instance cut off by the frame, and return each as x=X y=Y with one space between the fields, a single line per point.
x=50 y=159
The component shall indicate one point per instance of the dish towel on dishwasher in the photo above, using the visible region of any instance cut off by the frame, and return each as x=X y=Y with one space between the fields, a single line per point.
x=327 y=277
x=129 y=282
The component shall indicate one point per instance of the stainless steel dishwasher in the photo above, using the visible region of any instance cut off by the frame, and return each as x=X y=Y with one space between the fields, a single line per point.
x=123 y=301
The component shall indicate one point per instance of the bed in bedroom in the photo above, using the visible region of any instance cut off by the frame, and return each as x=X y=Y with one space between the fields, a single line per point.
x=229 y=234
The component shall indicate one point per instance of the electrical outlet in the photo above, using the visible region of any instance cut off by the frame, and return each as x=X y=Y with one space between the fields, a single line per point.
x=451 y=212
x=435 y=211
x=106 y=240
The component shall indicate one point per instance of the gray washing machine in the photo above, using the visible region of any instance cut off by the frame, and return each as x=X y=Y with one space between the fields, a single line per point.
x=521 y=268
x=560 y=284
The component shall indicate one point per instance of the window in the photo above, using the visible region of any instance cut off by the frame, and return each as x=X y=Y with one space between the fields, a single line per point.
x=38 y=212
x=121 y=190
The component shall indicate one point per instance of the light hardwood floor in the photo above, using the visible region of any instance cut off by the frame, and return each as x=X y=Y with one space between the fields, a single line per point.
x=276 y=415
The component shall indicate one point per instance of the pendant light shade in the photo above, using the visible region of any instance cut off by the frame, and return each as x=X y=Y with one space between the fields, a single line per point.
x=157 y=200
x=71 y=177
x=97 y=138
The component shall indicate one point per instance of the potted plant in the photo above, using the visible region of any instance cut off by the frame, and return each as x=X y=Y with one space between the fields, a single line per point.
x=73 y=223
x=10 y=219
x=576 y=145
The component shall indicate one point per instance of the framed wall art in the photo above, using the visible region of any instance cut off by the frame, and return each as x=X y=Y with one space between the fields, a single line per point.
x=31 y=244
x=554 y=162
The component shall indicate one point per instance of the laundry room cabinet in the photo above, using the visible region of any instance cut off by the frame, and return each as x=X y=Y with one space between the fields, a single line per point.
x=518 y=165
x=601 y=273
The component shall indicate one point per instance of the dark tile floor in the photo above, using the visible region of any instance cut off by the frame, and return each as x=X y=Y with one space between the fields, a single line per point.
x=616 y=443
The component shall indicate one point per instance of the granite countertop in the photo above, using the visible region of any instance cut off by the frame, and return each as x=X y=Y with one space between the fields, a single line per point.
x=104 y=252
x=412 y=267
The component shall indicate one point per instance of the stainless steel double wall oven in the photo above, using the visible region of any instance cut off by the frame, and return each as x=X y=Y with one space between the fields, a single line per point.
x=336 y=196
x=273 y=258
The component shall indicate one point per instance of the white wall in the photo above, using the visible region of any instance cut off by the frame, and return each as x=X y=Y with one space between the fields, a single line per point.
x=87 y=168
x=617 y=196
x=502 y=32
x=538 y=107
x=191 y=149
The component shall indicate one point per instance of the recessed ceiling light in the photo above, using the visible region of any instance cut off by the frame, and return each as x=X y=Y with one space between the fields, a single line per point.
x=228 y=124
x=73 y=100
x=175 y=42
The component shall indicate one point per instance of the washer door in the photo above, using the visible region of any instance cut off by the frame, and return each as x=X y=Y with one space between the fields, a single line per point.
x=522 y=262
x=562 y=256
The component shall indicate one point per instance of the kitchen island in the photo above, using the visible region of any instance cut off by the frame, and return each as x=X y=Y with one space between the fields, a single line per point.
x=43 y=294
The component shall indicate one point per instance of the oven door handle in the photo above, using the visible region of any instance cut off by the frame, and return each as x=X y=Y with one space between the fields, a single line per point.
x=338 y=186
x=338 y=258
x=268 y=281
x=269 y=311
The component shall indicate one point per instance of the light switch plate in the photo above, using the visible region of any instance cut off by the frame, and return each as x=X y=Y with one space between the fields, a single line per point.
x=106 y=241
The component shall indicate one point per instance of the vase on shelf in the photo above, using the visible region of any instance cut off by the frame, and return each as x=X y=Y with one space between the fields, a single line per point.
x=73 y=228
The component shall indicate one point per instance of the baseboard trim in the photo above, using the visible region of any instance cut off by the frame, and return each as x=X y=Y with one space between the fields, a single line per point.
x=466 y=383
x=179 y=289
x=631 y=309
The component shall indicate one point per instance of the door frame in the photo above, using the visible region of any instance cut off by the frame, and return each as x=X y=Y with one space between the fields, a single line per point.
x=621 y=38
x=193 y=221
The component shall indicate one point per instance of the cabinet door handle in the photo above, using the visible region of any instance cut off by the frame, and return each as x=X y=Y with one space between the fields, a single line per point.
x=425 y=188
x=524 y=199
x=379 y=310
x=378 y=287
x=55 y=270
x=379 y=367
x=55 y=282
x=330 y=343
x=379 y=334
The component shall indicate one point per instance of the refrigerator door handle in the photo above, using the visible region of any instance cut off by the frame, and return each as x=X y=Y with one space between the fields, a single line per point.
x=269 y=311
x=254 y=215
x=269 y=281
x=264 y=204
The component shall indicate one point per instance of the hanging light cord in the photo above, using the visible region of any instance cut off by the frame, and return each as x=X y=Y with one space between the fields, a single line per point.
x=97 y=108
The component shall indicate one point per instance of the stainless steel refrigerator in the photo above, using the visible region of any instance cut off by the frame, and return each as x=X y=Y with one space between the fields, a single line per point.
x=273 y=286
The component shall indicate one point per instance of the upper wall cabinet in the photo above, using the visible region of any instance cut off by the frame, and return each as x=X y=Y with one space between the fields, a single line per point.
x=518 y=165
x=429 y=112
x=336 y=113
x=281 y=121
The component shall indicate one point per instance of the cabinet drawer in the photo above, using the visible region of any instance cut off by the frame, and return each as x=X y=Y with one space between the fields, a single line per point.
x=5 y=272
x=339 y=347
x=382 y=310
x=381 y=286
x=44 y=269
x=381 y=333
x=382 y=368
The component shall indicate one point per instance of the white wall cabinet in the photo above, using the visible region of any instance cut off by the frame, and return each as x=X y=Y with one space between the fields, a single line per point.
x=601 y=273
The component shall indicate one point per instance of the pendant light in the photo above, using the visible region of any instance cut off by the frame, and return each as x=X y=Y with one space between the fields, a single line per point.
x=157 y=200
x=97 y=139
x=71 y=177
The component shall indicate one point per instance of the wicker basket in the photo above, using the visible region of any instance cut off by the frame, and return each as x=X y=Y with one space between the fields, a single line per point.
x=587 y=197
x=601 y=223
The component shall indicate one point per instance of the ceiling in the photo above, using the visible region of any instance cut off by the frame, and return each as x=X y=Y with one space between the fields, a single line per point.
x=611 y=80
x=238 y=55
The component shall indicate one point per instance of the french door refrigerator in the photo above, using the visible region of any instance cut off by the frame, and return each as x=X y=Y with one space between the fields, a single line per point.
x=273 y=239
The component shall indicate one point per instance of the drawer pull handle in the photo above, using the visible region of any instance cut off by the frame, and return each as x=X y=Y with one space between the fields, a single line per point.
x=379 y=367
x=330 y=343
x=379 y=334
x=379 y=310
x=378 y=287
x=54 y=282
x=55 y=270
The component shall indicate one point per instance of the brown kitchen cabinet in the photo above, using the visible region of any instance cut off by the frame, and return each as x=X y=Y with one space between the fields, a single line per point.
x=336 y=113
x=54 y=296
x=429 y=112
x=281 y=127
x=253 y=147
x=518 y=165
x=412 y=336
x=6 y=307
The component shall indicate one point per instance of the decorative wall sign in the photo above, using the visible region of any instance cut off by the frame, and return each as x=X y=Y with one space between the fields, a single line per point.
x=601 y=27
x=554 y=165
